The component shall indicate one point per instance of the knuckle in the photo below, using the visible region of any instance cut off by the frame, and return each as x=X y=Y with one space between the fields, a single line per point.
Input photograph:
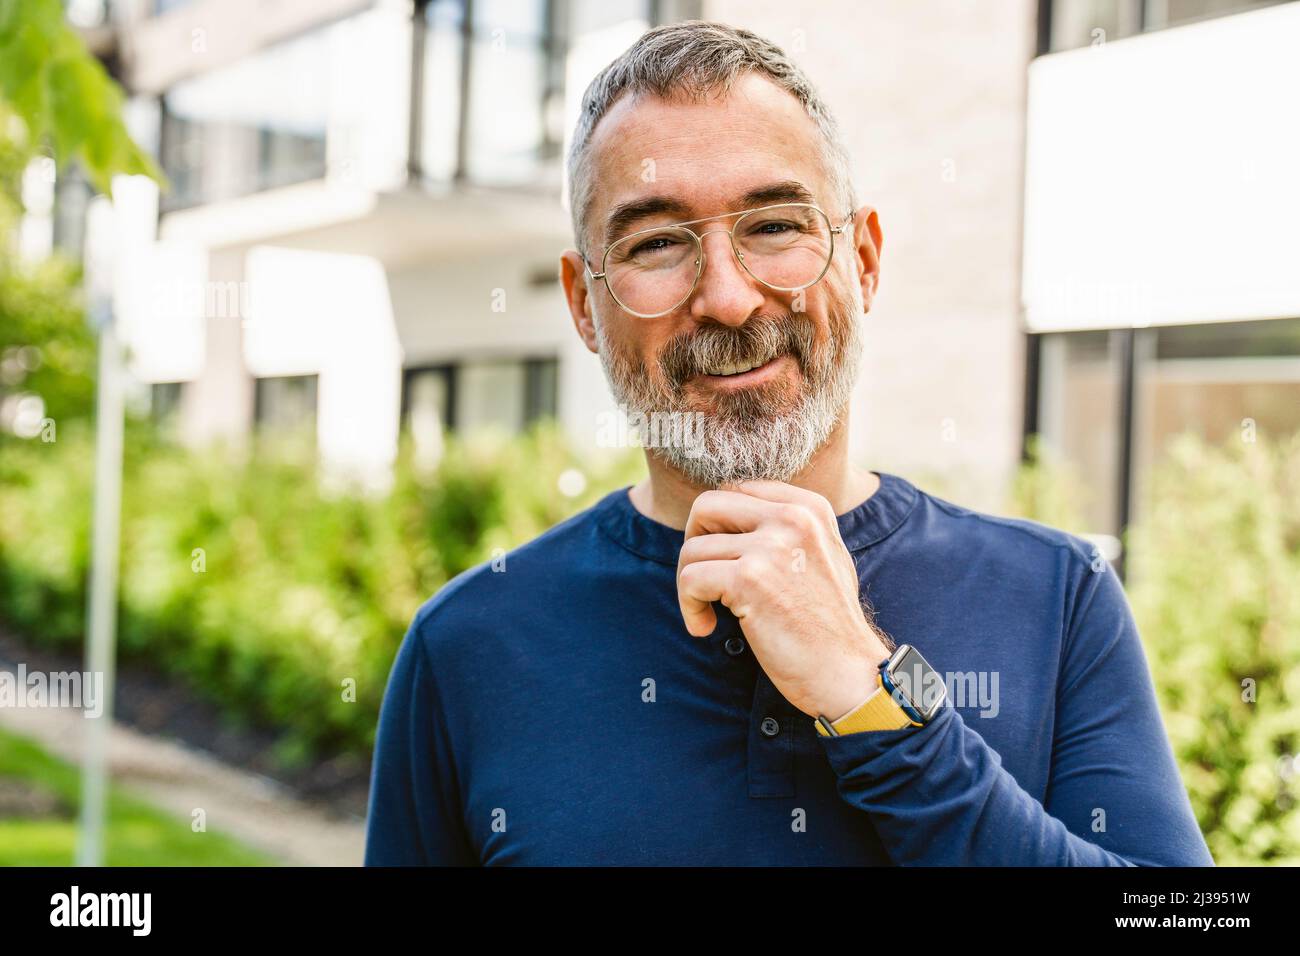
x=752 y=572
x=801 y=520
x=709 y=497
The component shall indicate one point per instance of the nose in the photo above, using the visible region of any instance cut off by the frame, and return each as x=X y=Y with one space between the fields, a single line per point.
x=726 y=293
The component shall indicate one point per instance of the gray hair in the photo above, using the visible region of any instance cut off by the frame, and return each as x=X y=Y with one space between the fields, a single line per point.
x=693 y=59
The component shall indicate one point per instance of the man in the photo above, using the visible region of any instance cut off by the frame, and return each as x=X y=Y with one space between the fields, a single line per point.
x=761 y=654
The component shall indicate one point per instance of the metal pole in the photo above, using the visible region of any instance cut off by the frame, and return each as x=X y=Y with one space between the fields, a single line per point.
x=101 y=610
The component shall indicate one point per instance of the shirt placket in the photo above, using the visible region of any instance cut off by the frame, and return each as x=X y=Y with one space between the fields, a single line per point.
x=773 y=724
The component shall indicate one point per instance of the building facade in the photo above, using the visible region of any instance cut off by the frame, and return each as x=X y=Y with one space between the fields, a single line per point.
x=1084 y=205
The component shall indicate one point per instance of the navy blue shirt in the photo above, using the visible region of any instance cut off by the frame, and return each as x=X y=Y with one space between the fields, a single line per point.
x=553 y=709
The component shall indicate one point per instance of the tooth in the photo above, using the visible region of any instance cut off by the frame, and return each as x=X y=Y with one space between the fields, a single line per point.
x=732 y=369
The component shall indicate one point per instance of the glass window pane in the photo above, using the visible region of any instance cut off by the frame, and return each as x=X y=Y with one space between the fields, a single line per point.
x=1171 y=13
x=287 y=402
x=1077 y=23
x=1237 y=381
x=440 y=103
x=428 y=401
x=1079 y=415
x=490 y=394
x=165 y=403
x=252 y=125
x=507 y=91
x=542 y=375
x=587 y=17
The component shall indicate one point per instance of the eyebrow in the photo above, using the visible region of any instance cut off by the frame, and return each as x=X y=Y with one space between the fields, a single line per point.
x=628 y=214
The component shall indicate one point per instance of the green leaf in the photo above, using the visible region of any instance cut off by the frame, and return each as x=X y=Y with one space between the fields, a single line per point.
x=63 y=95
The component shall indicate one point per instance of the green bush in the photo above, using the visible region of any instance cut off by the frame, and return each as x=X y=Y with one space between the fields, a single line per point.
x=243 y=577
x=302 y=588
x=1213 y=576
x=1215 y=586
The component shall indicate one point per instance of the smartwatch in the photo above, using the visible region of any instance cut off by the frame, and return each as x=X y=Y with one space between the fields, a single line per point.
x=909 y=692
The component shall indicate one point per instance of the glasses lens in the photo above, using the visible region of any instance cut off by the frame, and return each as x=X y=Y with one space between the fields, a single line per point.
x=787 y=247
x=653 y=272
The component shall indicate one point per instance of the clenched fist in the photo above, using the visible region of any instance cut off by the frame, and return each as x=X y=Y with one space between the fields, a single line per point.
x=772 y=553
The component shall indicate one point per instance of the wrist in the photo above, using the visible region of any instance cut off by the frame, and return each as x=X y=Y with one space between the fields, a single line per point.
x=840 y=714
x=858 y=683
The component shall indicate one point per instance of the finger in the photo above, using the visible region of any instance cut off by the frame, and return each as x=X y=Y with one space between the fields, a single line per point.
x=779 y=491
x=698 y=586
x=714 y=547
x=726 y=511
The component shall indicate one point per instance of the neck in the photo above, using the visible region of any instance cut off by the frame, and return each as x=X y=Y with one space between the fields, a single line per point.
x=665 y=495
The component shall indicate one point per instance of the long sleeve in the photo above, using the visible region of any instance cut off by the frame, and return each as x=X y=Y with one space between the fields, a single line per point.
x=413 y=817
x=938 y=795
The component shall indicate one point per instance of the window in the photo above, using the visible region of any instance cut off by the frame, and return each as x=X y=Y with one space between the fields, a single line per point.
x=428 y=395
x=493 y=81
x=253 y=125
x=506 y=128
x=1076 y=23
x=1172 y=13
x=1079 y=405
x=1235 y=381
x=509 y=393
x=165 y=403
x=285 y=402
x=1068 y=24
x=1109 y=402
x=539 y=389
x=441 y=94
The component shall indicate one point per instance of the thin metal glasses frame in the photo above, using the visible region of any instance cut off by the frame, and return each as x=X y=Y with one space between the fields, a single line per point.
x=700 y=257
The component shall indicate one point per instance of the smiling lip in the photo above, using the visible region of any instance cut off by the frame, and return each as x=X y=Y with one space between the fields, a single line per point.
x=755 y=376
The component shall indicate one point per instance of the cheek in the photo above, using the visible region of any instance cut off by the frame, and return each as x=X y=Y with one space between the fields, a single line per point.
x=836 y=287
x=635 y=348
x=838 y=297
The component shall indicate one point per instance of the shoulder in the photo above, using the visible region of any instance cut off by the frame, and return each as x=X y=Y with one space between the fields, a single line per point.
x=1023 y=567
x=1017 y=557
x=1015 y=539
x=507 y=587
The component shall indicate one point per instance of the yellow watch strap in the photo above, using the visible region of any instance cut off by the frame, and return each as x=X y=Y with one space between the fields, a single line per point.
x=878 y=712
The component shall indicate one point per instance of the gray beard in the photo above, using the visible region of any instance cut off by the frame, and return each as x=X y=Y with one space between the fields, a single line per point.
x=756 y=433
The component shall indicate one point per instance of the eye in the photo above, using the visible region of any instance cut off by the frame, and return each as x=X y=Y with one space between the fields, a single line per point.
x=652 y=245
x=774 y=227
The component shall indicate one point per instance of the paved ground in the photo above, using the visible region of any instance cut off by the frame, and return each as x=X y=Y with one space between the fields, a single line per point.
x=176 y=778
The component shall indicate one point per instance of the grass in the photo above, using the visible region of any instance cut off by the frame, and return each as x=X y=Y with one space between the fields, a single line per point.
x=138 y=834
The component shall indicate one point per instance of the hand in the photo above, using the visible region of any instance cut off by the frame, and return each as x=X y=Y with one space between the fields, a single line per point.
x=772 y=553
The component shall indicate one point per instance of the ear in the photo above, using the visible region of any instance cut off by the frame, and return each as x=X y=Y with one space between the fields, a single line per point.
x=573 y=276
x=867 y=240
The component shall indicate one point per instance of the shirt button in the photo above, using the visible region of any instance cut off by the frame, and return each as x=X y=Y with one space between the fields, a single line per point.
x=770 y=727
x=735 y=646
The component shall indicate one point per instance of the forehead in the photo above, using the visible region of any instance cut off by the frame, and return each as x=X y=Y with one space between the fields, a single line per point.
x=705 y=154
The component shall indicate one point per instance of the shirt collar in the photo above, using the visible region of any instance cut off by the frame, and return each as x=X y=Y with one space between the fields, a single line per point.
x=872 y=521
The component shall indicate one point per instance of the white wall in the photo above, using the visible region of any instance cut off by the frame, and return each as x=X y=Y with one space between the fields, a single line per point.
x=330 y=315
x=1162 y=177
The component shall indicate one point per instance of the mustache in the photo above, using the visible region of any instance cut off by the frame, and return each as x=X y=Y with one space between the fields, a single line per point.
x=759 y=340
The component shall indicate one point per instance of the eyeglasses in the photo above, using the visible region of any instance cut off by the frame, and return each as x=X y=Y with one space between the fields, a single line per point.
x=786 y=246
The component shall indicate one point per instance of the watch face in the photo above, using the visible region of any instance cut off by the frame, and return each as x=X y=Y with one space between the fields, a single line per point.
x=916 y=686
